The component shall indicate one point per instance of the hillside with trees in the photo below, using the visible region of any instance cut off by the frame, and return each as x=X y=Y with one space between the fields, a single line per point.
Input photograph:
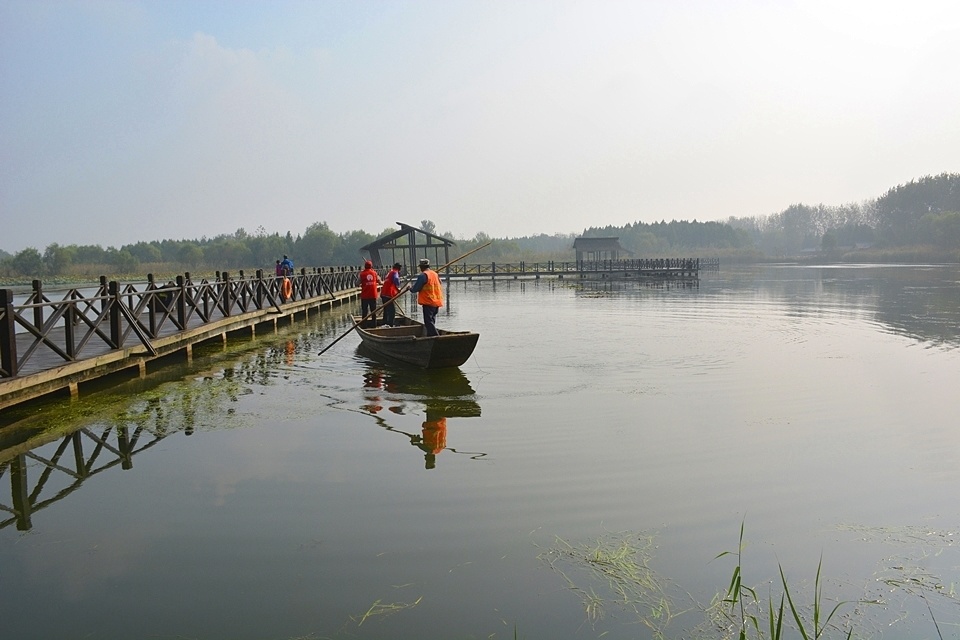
x=917 y=221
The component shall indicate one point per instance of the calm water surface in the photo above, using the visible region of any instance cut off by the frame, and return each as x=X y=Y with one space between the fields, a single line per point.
x=275 y=494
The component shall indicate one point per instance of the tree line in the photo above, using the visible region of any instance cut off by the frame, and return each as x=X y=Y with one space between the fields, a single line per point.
x=923 y=214
x=318 y=245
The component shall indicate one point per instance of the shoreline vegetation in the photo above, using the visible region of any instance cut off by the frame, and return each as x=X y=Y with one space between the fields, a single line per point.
x=614 y=576
x=913 y=223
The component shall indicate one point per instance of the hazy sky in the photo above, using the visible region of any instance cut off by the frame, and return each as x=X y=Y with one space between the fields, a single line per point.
x=128 y=121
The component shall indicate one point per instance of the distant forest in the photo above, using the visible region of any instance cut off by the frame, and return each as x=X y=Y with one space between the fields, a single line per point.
x=916 y=221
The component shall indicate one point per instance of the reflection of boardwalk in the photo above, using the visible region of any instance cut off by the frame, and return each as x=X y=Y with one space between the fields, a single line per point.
x=46 y=456
x=80 y=455
x=55 y=344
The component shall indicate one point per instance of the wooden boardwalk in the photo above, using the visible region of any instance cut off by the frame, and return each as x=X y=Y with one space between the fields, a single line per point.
x=659 y=268
x=58 y=344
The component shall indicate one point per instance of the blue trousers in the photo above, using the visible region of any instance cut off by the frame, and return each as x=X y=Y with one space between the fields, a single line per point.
x=430 y=319
x=389 y=310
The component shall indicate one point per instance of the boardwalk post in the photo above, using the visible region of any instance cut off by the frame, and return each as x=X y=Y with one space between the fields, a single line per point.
x=37 y=299
x=243 y=292
x=182 y=303
x=8 y=335
x=258 y=296
x=116 y=328
x=152 y=306
x=102 y=292
x=69 y=328
x=227 y=294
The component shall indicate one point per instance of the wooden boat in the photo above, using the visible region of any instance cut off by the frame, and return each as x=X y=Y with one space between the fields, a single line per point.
x=407 y=342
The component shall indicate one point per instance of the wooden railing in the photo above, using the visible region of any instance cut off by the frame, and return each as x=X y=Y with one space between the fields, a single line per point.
x=652 y=266
x=85 y=322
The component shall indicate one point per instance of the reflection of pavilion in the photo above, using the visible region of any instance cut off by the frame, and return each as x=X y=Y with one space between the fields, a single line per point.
x=444 y=393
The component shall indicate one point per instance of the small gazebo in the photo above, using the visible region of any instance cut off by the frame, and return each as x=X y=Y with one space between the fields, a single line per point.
x=598 y=249
x=407 y=246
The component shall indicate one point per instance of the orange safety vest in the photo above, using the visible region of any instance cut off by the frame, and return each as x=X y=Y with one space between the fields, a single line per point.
x=432 y=293
x=389 y=289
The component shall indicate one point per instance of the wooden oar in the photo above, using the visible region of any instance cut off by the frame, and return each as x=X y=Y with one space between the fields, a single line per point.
x=402 y=291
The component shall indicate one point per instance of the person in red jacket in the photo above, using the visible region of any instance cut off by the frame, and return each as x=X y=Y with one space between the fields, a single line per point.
x=369 y=285
x=391 y=287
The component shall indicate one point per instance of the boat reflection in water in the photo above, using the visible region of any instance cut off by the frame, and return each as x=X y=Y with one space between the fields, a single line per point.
x=439 y=393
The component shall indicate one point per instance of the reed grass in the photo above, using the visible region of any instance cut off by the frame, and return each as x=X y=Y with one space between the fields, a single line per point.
x=614 y=572
x=745 y=609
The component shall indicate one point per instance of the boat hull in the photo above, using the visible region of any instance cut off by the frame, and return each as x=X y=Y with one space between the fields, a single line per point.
x=408 y=343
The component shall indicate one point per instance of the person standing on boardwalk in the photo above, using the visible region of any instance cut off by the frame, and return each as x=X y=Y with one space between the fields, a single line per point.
x=279 y=269
x=287 y=266
x=369 y=281
x=391 y=287
x=429 y=296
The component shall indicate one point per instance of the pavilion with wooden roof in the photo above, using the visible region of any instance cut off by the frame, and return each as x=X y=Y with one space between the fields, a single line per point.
x=596 y=249
x=407 y=246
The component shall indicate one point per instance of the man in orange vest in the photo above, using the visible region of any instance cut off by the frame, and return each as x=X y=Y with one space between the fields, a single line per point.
x=429 y=296
x=369 y=281
x=391 y=287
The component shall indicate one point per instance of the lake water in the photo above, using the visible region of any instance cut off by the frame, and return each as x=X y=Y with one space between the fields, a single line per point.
x=576 y=478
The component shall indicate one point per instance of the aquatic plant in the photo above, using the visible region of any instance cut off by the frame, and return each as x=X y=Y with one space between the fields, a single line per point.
x=745 y=610
x=615 y=571
x=378 y=608
x=620 y=564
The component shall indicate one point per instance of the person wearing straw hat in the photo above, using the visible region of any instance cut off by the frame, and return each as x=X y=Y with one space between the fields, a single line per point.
x=429 y=296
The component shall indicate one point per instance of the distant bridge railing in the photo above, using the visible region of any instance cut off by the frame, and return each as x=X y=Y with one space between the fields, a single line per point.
x=85 y=322
x=687 y=267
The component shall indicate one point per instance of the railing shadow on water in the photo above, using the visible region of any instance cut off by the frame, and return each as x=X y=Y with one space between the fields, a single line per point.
x=46 y=456
x=79 y=456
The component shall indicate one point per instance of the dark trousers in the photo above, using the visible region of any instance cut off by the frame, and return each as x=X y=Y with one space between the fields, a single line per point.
x=430 y=319
x=367 y=305
x=389 y=311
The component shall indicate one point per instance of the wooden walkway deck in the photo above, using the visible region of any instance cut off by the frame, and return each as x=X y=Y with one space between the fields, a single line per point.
x=56 y=345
